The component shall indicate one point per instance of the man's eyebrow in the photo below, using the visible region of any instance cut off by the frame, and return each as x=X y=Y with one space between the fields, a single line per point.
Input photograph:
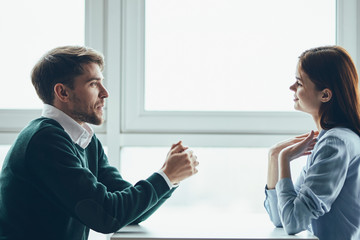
x=97 y=79
x=298 y=78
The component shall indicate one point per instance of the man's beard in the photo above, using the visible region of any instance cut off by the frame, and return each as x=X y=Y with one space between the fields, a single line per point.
x=88 y=118
x=83 y=116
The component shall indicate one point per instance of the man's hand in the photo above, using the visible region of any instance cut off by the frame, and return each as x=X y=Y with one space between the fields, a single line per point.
x=180 y=163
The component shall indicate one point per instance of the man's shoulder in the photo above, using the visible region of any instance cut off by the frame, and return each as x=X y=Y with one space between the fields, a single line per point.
x=41 y=127
x=43 y=122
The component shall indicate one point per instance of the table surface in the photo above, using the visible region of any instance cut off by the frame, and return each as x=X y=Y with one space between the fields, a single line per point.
x=247 y=227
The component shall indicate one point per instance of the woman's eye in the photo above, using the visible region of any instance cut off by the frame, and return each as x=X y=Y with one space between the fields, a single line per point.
x=298 y=83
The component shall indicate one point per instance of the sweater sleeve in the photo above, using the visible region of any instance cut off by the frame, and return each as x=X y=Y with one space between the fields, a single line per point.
x=61 y=176
x=112 y=179
x=148 y=213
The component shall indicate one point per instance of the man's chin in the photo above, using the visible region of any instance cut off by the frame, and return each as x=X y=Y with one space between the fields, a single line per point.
x=94 y=119
x=97 y=122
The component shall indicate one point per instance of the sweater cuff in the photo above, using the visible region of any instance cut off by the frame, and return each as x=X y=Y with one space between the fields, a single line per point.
x=159 y=184
x=161 y=172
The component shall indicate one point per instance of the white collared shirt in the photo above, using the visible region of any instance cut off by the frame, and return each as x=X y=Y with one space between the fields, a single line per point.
x=81 y=135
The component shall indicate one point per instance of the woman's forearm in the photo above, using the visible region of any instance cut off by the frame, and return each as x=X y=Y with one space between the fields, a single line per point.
x=273 y=171
x=284 y=167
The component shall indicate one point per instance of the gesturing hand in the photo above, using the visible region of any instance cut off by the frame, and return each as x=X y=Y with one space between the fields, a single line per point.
x=180 y=163
x=301 y=148
x=294 y=147
x=276 y=149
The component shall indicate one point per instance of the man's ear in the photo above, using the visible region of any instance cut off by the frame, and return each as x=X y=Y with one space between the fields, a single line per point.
x=61 y=92
x=326 y=95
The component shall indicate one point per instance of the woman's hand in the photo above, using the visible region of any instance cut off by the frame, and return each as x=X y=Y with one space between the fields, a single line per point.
x=276 y=149
x=294 y=151
x=273 y=165
x=300 y=148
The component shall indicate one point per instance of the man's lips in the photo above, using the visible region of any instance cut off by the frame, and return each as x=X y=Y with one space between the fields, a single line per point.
x=100 y=107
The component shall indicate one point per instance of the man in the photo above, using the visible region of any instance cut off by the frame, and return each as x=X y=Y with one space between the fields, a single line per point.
x=56 y=182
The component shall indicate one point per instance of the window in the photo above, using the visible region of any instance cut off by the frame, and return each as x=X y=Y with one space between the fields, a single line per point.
x=29 y=29
x=230 y=55
x=229 y=179
x=217 y=78
x=222 y=72
x=178 y=70
x=3 y=151
x=29 y=34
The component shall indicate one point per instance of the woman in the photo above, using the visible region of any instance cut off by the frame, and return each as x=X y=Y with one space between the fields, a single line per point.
x=326 y=196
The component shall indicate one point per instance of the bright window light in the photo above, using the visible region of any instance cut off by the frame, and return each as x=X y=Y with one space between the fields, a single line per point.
x=229 y=55
x=28 y=30
x=237 y=173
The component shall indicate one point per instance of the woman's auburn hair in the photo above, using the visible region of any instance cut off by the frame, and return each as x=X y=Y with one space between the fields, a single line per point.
x=332 y=67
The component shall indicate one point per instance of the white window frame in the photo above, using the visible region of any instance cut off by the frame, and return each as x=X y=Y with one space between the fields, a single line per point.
x=139 y=126
x=13 y=120
x=116 y=28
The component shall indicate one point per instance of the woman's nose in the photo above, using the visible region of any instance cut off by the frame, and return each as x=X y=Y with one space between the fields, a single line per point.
x=293 y=87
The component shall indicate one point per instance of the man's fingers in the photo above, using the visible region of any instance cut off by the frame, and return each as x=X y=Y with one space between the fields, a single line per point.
x=175 y=144
x=178 y=148
x=196 y=163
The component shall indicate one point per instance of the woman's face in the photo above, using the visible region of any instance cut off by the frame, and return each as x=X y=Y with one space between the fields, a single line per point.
x=306 y=97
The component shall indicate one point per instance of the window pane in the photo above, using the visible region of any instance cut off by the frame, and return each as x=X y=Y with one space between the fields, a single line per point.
x=29 y=29
x=3 y=151
x=229 y=55
x=230 y=180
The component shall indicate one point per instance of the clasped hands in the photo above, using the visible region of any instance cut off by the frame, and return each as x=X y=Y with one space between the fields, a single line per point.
x=180 y=163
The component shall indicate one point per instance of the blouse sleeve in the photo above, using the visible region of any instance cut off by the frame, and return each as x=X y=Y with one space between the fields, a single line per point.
x=271 y=200
x=322 y=184
x=270 y=205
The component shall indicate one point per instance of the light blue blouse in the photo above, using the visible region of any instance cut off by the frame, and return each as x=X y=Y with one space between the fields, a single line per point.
x=326 y=196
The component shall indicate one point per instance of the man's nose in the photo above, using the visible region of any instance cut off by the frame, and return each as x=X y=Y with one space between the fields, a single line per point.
x=103 y=92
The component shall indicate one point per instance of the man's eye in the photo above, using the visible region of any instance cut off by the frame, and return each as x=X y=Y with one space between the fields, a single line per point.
x=298 y=83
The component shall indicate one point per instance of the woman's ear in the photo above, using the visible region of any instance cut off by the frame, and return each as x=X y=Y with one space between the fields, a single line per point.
x=326 y=95
x=61 y=92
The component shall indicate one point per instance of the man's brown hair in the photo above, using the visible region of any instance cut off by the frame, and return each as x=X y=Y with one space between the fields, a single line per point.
x=61 y=65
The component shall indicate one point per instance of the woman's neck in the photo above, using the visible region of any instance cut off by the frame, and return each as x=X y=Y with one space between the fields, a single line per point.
x=317 y=122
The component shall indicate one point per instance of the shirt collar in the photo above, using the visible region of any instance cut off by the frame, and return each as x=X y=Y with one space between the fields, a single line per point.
x=81 y=135
x=322 y=132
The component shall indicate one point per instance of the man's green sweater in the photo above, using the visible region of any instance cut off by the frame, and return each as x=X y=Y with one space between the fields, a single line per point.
x=51 y=188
